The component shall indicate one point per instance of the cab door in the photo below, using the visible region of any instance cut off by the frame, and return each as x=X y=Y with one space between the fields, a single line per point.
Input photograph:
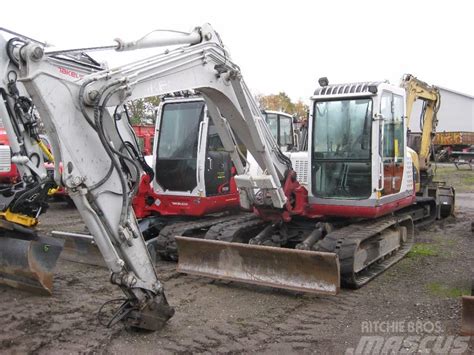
x=218 y=166
x=393 y=142
x=177 y=148
x=281 y=127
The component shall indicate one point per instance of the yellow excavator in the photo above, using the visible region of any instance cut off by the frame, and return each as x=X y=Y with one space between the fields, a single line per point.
x=415 y=89
x=421 y=144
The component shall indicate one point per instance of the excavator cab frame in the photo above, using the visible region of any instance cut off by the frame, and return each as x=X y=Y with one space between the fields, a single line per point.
x=354 y=153
x=193 y=173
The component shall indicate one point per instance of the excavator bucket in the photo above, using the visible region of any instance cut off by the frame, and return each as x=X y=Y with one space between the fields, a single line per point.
x=467 y=320
x=298 y=270
x=27 y=262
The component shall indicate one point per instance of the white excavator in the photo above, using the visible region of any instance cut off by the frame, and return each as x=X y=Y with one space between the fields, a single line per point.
x=352 y=220
x=96 y=147
x=190 y=186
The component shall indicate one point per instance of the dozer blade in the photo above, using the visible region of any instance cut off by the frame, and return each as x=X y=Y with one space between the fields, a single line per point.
x=298 y=270
x=467 y=320
x=27 y=262
x=80 y=248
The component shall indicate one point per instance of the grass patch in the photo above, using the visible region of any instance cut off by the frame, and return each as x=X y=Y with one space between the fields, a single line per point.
x=444 y=291
x=468 y=179
x=462 y=180
x=442 y=240
x=422 y=249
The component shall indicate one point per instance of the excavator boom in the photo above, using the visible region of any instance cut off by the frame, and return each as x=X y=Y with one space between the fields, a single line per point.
x=27 y=259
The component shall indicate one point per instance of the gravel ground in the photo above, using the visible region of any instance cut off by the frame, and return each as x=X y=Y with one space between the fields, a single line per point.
x=214 y=316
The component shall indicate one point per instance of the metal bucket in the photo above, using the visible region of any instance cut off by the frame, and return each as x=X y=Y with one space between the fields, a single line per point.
x=27 y=262
x=291 y=269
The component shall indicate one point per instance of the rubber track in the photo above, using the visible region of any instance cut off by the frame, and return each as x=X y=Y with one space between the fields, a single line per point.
x=227 y=231
x=345 y=241
x=166 y=243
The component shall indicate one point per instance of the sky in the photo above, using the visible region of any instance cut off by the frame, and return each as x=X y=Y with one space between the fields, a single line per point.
x=281 y=45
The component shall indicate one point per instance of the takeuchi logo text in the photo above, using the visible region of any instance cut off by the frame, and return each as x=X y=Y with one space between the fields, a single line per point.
x=70 y=73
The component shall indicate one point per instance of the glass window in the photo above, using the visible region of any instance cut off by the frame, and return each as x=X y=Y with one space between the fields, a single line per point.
x=272 y=120
x=386 y=105
x=214 y=142
x=386 y=111
x=398 y=131
x=141 y=144
x=341 y=163
x=176 y=161
x=349 y=180
x=179 y=124
x=286 y=134
x=342 y=129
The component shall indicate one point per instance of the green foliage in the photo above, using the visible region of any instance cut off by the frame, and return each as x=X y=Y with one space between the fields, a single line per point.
x=468 y=180
x=143 y=110
x=282 y=102
x=462 y=180
x=444 y=291
x=422 y=249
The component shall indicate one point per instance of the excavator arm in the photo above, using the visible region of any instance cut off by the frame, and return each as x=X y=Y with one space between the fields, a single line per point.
x=419 y=90
x=204 y=66
x=100 y=173
x=82 y=108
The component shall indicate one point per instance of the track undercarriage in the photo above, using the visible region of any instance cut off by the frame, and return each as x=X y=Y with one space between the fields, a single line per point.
x=309 y=255
x=362 y=249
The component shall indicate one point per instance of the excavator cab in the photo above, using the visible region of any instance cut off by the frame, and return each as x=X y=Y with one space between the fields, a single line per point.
x=282 y=128
x=358 y=156
x=193 y=173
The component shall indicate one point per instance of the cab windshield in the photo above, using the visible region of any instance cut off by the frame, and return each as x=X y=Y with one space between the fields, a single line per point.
x=342 y=129
x=341 y=149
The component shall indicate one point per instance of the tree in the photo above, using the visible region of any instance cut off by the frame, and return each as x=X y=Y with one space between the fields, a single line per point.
x=142 y=111
x=282 y=102
x=301 y=110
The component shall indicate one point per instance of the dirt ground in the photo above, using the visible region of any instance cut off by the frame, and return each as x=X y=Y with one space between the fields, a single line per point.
x=213 y=316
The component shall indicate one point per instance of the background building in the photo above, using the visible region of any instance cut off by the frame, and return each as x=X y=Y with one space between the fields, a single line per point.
x=455 y=114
